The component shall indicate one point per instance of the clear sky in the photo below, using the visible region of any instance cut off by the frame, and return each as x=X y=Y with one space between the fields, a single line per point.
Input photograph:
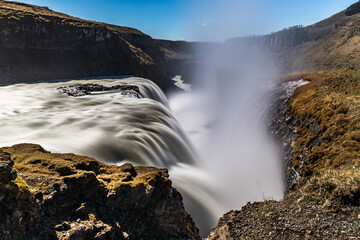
x=194 y=20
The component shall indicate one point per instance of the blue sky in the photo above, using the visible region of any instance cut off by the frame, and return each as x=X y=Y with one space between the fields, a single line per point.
x=194 y=20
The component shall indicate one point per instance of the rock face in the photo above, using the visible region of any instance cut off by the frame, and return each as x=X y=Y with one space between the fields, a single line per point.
x=39 y=44
x=65 y=196
x=353 y=9
x=283 y=128
x=319 y=128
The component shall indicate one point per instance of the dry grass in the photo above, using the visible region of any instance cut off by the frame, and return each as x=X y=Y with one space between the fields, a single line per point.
x=48 y=168
x=337 y=185
x=328 y=135
x=329 y=109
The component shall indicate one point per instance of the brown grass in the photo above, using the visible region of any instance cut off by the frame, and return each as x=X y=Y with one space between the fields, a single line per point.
x=48 y=168
x=328 y=138
x=337 y=185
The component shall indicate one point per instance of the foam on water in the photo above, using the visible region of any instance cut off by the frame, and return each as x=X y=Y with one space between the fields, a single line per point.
x=110 y=127
x=114 y=127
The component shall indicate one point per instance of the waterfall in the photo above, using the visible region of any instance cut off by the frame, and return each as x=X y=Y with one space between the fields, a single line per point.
x=110 y=126
x=115 y=128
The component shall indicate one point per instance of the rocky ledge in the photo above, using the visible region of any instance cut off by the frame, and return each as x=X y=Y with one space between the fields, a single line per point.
x=39 y=44
x=319 y=128
x=297 y=216
x=65 y=196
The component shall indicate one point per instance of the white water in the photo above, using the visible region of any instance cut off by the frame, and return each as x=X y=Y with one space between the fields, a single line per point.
x=226 y=118
x=235 y=151
x=115 y=128
x=112 y=127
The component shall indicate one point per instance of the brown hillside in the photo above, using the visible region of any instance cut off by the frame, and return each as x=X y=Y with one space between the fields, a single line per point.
x=333 y=42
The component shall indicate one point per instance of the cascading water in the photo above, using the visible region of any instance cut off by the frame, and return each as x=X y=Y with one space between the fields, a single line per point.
x=226 y=118
x=237 y=162
x=111 y=126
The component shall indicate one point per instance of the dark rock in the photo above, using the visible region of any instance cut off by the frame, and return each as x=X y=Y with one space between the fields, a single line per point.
x=353 y=9
x=40 y=44
x=79 y=90
x=283 y=128
x=297 y=216
x=96 y=201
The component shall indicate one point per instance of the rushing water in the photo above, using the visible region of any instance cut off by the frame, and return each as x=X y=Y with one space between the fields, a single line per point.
x=118 y=127
x=112 y=127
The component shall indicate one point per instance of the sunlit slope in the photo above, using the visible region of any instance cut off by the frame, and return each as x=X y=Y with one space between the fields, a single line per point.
x=332 y=42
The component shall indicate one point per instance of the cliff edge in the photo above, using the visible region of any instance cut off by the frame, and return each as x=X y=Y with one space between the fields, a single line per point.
x=65 y=196
x=37 y=43
x=323 y=201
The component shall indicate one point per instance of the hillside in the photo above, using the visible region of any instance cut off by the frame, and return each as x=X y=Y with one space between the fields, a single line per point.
x=333 y=42
x=37 y=43
x=319 y=130
x=40 y=44
x=320 y=127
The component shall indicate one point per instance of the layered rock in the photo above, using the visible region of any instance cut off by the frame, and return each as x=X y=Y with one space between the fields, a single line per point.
x=37 y=43
x=65 y=196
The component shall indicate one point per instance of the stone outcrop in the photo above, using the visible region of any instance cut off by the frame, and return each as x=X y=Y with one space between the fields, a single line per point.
x=37 y=43
x=283 y=128
x=65 y=196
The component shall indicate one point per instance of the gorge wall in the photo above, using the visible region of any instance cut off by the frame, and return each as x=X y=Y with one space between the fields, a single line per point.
x=331 y=43
x=39 y=44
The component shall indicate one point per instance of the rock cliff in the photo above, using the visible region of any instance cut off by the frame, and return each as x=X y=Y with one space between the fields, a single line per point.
x=37 y=43
x=320 y=129
x=65 y=196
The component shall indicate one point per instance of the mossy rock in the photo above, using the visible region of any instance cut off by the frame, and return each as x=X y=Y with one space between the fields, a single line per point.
x=93 y=198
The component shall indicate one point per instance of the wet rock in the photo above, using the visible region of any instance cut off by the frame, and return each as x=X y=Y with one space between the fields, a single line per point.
x=283 y=128
x=79 y=90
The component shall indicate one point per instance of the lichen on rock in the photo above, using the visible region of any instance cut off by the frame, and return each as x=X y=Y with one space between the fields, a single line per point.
x=66 y=196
